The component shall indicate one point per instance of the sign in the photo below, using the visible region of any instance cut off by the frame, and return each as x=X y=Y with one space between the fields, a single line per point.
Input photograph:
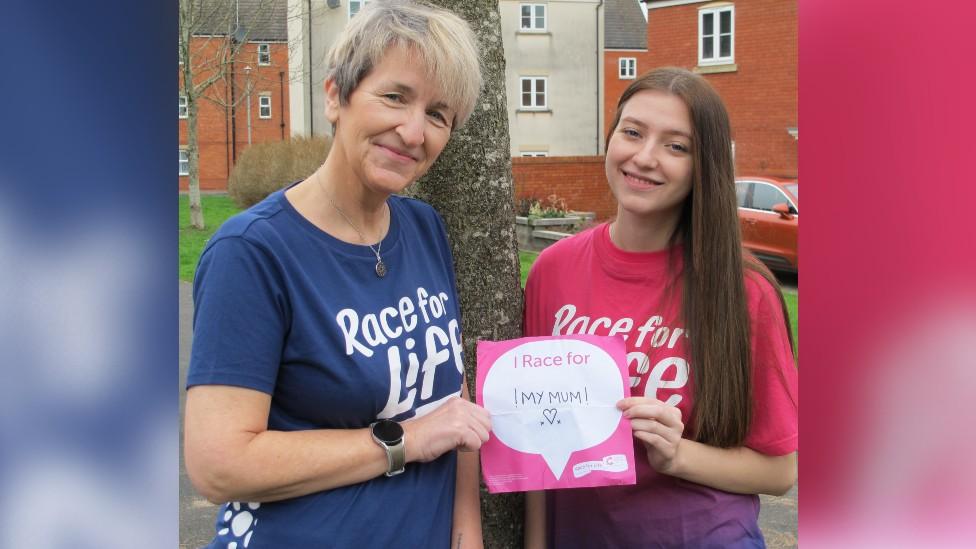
x=554 y=420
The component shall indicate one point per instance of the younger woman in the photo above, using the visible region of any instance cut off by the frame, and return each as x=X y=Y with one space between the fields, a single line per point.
x=713 y=382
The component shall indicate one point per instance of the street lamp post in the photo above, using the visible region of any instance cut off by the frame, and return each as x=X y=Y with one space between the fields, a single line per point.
x=247 y=85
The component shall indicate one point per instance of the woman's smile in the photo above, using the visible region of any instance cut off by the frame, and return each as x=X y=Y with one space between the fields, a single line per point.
x=640 y=183
x=396 y=154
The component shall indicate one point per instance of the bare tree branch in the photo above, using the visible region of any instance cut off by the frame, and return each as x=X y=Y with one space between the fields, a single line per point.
x=213 y=34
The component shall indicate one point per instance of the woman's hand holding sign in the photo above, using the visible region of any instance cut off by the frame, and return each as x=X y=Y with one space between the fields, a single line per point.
x=659 y=427
x=456 y=424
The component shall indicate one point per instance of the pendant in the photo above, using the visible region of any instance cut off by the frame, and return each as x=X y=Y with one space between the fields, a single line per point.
x=380 y=268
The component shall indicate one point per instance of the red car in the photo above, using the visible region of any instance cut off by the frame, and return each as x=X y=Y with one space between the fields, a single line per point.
x=769 y=217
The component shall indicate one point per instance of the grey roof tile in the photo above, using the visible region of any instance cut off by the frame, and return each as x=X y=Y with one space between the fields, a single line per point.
x=262 y=19
x=624 y=25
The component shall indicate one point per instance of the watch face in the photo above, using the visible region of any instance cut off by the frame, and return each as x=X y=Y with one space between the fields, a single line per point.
x=388 y=431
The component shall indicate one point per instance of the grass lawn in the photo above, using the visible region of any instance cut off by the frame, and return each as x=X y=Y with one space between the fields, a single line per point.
x=527 y=258
x=216 y=209
x=791 y=305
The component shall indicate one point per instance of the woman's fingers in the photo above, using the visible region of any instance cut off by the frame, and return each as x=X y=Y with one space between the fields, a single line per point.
x=645 y=408
x=659 y=443
x=656 y=427
x=457 y=424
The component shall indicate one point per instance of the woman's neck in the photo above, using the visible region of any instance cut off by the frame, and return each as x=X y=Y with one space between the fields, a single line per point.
x=633 y=233
x=362 y=205
x=341 y=206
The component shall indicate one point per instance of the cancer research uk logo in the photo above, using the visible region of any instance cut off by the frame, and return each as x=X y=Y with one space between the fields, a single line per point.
x=407 y=330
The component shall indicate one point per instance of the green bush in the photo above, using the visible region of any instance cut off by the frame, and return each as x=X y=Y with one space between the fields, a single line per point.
x=266 y=167
x=552 y=206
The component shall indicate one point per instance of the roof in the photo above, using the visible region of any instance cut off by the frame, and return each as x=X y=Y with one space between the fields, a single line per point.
x=624 y=26
x=261 y=19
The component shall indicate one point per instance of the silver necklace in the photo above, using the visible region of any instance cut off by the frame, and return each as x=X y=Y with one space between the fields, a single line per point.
x=380 y=266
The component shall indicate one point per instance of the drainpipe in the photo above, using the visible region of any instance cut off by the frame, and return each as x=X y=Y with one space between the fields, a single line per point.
x=311 y=86
x=233 y=113
x=226 y=130
x=281 y=95
x=599 y=78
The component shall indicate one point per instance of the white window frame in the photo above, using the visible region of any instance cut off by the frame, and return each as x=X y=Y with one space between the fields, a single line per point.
x=184 y=108
x=360 y=4
x=186 y=170
x=534 y=154
x=264 y=57
x=625 y=72
x=532 y=93
x=532 y=17
x=261 y=106
x=716 y=58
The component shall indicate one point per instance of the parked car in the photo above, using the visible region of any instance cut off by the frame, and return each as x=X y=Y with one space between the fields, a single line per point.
x=769 y=216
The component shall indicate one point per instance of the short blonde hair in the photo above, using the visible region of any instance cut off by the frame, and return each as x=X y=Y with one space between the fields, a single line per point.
x=444 y=41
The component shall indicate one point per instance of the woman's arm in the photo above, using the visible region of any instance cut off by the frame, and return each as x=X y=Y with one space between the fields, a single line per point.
x=231 y=455
x=467 y=501
x=535 y=520
x=740 y=470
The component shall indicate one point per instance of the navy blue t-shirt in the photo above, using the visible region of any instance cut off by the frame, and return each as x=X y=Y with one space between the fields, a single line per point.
x=284 y=308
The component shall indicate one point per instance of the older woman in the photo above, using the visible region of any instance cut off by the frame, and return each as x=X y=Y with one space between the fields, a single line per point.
x=325 y=395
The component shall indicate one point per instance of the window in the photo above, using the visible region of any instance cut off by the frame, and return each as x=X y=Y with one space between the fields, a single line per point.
x=184 y=110
x=532 y=17
x=264 y=106
x=355 y=6
x=184 y=162
x=533 y=92
x=764 y=197
x=264 y=54
x=716 y=36
x=742 y=193
x=793 y=188
x=534 y=153
x=627 y=68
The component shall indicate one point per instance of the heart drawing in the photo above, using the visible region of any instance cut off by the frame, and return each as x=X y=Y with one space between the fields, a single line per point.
x=550 y=414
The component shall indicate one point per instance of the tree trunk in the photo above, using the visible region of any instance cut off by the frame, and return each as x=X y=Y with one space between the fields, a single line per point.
x=193 y=156
x=471 y=187
x=187 y=11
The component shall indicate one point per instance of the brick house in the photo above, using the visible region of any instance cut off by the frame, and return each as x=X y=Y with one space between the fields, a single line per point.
x=249 y=103
x=625 y=51
x=747 y=49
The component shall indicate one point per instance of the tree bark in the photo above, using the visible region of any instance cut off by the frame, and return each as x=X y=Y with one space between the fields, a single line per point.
x=192 y=150
x=471 y=186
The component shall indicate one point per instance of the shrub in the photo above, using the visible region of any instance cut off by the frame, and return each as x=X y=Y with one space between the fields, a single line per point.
x=553 y=206
x=524 y=205
x=266 y=167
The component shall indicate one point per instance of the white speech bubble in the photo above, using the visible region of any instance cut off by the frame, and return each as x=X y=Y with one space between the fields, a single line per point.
x=559 y=404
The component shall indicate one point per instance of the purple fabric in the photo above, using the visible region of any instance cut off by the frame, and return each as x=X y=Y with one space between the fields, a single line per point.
x=659 y=511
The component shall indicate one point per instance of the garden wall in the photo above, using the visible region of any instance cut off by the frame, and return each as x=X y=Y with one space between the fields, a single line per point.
x=579 y=180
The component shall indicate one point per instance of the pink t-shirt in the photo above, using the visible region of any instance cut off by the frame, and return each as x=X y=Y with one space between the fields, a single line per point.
x=585 y=284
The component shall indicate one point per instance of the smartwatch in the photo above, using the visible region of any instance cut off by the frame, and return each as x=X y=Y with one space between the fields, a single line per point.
x=389 y=435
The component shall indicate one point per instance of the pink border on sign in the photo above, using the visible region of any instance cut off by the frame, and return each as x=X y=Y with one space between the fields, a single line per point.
x=507 y=470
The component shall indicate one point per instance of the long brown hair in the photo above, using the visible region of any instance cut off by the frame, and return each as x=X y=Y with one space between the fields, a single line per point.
x=714 y=307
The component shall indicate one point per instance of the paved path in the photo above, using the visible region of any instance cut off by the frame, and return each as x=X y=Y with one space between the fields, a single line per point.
x=777 y=518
